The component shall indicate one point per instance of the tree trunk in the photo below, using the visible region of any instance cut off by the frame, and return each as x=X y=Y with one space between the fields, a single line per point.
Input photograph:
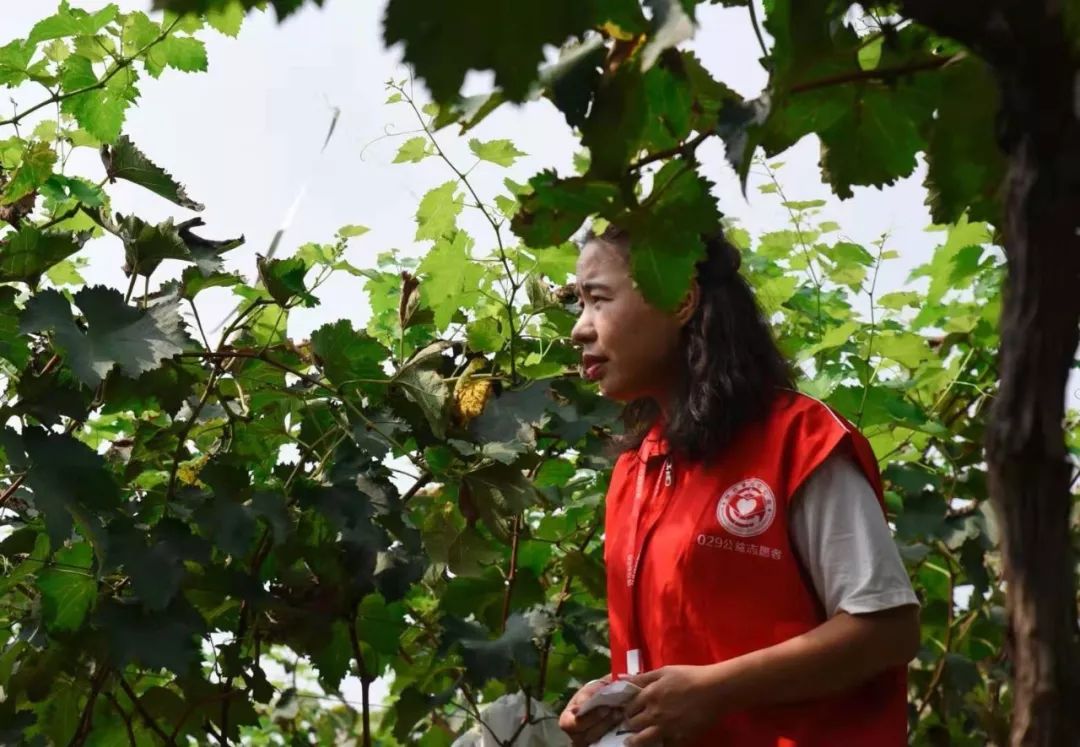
x=1030 y=474
x=1039 y=77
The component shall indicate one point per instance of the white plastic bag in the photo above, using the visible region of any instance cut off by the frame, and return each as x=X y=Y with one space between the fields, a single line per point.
x=503 y=717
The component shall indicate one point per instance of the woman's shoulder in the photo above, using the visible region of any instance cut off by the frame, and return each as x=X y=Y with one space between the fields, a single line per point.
x=794 y=410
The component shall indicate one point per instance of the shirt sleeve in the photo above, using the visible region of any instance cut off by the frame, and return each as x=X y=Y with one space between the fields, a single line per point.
x=844 y=542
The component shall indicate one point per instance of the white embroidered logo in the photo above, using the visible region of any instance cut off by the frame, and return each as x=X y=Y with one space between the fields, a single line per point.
x=747 y=508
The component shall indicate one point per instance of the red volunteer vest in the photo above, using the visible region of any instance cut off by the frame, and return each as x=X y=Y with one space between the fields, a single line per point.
x=718 y=577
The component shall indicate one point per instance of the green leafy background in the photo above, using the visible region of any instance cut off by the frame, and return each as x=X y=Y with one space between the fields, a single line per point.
x=208 y=530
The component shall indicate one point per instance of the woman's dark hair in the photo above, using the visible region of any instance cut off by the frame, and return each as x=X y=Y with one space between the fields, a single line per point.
x=733 y=369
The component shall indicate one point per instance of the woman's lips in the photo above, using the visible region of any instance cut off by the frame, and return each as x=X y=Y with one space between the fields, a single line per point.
x=592 y=366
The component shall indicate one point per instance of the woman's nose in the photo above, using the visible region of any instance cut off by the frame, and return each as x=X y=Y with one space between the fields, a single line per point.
x=583 y=330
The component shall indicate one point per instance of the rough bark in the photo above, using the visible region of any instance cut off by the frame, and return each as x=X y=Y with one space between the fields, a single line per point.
x=1038 y=74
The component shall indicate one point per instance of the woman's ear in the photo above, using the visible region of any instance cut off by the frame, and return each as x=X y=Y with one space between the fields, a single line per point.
x=685 y=311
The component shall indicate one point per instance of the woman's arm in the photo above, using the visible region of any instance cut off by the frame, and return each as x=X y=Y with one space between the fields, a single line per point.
x=839 y=654
x=678 y=702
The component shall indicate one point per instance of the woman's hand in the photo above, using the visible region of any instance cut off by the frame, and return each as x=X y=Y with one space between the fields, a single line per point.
x=593 y=725
x=675 y=706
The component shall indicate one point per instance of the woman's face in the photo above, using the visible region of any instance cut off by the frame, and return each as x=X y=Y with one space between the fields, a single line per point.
x=628 y=346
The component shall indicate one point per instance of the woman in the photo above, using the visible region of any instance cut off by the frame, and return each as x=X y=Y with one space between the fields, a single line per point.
x=754 y=590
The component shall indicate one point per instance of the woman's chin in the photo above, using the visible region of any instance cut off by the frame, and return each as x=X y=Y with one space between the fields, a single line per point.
x=611 y=390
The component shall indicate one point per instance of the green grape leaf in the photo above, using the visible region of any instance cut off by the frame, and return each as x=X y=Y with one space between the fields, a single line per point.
x=166 y=638
x=468 y=111
x=156 y=567
x=556 y=208
x=136 y=340
x=571 y=82
x=413 y=150
x=228 y=17
x=451 y=280
x=230 y=525
x=99 y=111
x=146 y=245
x=28 y=252
x=347 y=356
x=284 y=280
x=454 y=39
x=13 y=346
x=184 y=53
x=352 y=231
x=487 y=659
x=333 y=657
x=485 y=335
x=69 y=588
x=70 y=21
x=667 y=233
x=61 y=188
x=125 y=161
x=965 y=166
x=500 y=152
x=193 y=281
x=616 y=123
x=437 y=214
x=428 y=390
x=501 y=490
x=15 y=57
x=34 y=170
x=557 y=263
x=381 y=624
x=513 y=416
x=876 y=142
x=68 y=479
x=670 y=103
x=282 y=8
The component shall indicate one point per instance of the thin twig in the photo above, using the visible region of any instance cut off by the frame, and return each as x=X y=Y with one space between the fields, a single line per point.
x=11 y=489
x=146 y=717
x=685 y=149
x=757 y=30
x=421 y=481
x=86 y=720
x=877 y=74
x=512 y=574
x=124 y=716
x=365 y=678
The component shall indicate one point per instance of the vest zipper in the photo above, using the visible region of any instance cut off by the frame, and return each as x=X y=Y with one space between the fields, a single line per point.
x=667 y=473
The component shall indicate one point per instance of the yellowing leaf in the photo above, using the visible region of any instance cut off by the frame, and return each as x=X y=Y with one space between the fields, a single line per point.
x=470 y=397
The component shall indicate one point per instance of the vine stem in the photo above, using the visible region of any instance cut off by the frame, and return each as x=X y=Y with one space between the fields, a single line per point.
x=887 y=72
x=123 y=62
x=124 y=716
x=545 y=652
x=873 y=333
x=464 y=179
x=11 y=489
x=757 y=28
x=146 y=717
x=86 y=720
x=365 y=677
x=512 y=574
